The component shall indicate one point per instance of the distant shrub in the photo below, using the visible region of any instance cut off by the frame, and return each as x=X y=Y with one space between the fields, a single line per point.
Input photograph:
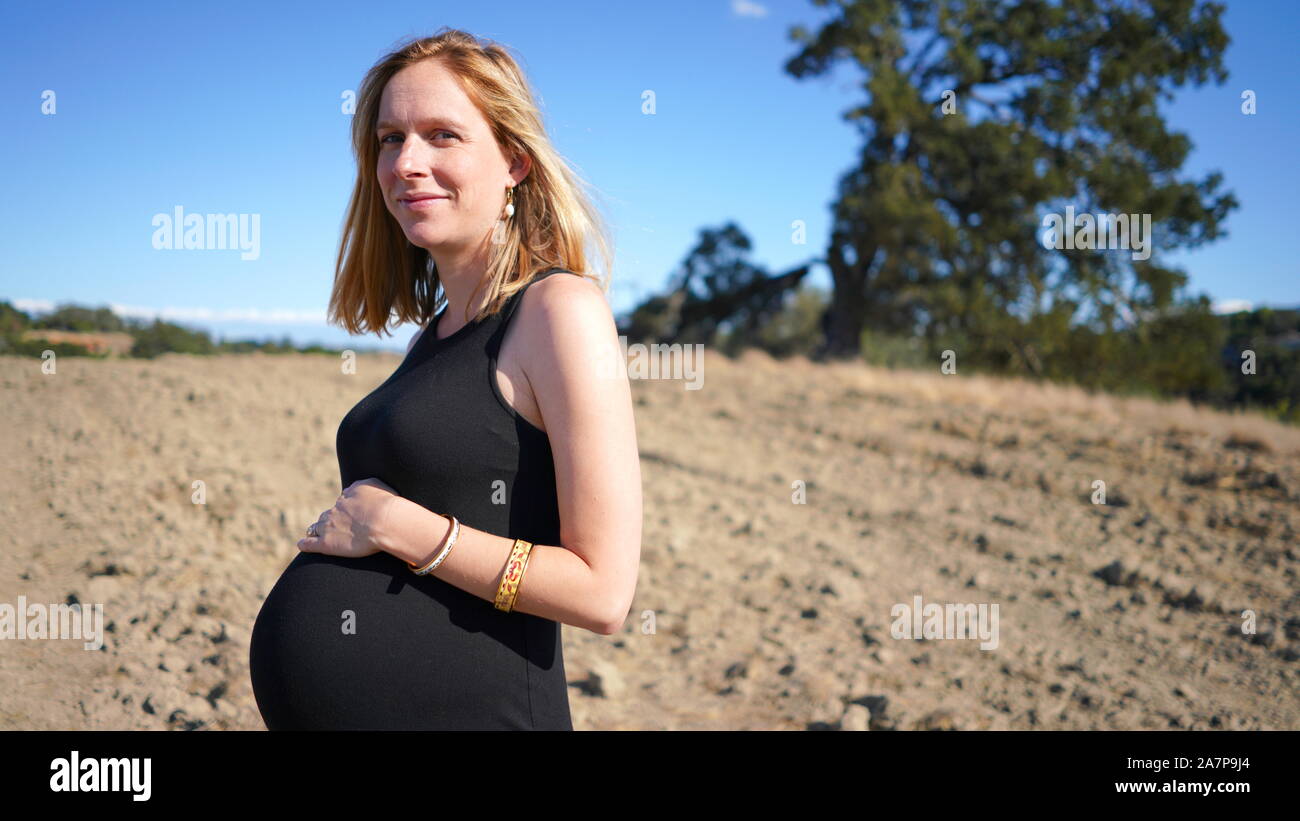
x=890 y=351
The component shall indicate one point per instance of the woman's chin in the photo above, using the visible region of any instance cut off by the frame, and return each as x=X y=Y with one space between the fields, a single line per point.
x=425 y=238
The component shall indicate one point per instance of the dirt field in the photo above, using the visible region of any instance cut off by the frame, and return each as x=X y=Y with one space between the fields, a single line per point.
x=767 y=613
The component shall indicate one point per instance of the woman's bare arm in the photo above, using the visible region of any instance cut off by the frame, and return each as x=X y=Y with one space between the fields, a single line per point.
x=569 y=340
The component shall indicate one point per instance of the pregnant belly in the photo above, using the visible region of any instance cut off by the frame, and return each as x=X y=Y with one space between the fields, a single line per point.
x=365 y=644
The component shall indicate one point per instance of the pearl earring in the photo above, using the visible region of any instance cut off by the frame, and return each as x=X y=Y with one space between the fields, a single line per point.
x=510 y=202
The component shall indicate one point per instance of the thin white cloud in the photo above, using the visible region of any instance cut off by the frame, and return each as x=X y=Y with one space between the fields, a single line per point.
x=748 y=8
x=37 y=306
x=255 y=315
x=1231 y=306
x=273 y=316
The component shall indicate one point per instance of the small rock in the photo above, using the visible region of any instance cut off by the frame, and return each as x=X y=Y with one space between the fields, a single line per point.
x=1114 y=575
x=218 y=690
x=611 y=680
x=857 y=718
x=1292 y=628
x=937 y=720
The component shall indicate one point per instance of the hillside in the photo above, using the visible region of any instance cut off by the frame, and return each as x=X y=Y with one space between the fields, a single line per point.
x=768 y=614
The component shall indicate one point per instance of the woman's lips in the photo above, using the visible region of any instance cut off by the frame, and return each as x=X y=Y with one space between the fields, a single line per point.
x=422 y=204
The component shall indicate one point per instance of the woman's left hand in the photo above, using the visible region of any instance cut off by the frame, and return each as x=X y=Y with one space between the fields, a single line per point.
x=354 y=526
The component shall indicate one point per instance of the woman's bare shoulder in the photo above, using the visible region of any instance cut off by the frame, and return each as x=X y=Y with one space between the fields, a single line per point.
x=562 y=316
x=562 y=298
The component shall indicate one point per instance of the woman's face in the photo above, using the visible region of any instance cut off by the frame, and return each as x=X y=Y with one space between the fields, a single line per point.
x=433 y=141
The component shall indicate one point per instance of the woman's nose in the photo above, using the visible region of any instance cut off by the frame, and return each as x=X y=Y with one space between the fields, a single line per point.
x=410 y=161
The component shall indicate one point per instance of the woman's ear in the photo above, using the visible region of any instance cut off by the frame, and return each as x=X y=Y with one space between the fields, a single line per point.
x=520 y=168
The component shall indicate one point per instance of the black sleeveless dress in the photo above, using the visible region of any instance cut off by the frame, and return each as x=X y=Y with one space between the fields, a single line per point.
x=422 y=654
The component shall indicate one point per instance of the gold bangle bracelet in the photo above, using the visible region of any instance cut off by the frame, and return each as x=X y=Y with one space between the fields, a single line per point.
x=512 y=574
x=528 y=553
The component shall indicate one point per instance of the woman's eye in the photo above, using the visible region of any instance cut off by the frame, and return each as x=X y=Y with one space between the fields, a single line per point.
x=383 y=140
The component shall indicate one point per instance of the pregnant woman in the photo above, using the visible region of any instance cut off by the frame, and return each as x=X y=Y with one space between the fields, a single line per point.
x=491 y=485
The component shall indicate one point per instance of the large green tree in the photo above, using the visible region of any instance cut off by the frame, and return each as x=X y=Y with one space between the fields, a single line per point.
x=980 y=118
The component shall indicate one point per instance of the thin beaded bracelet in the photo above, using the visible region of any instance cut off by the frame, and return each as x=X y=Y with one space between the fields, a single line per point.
x=442 y=554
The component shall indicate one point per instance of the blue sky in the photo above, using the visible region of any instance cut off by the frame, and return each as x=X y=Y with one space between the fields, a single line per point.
x=237 y=108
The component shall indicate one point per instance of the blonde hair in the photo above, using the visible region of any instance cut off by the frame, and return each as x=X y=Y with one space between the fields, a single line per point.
x=381 y=275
